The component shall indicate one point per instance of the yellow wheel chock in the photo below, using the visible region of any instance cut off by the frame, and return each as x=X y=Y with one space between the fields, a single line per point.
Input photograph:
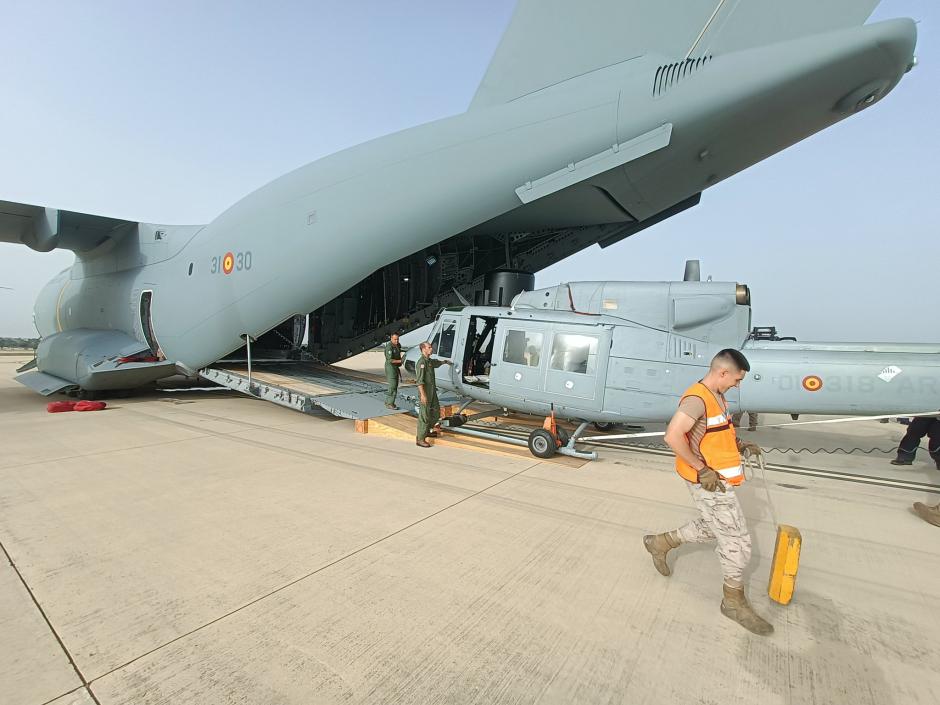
x=786 y=562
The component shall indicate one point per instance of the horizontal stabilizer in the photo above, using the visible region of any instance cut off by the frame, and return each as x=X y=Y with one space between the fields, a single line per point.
x=46 y=229
x=551 y=41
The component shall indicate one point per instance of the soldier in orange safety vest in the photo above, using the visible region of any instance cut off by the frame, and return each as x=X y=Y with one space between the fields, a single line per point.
x=708 y=458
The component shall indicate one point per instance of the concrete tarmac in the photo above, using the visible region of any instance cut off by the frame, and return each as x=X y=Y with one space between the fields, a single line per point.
x=204 y=548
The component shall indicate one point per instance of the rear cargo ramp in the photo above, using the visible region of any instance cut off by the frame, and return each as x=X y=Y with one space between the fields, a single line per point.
x=311 y=386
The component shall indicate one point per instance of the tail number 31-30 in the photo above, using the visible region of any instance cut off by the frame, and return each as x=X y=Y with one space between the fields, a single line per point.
x=231 y=262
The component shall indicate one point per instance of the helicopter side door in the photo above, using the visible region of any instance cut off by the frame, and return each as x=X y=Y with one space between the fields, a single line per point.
x=577 y=366
x=518 y=365
x=445 y=347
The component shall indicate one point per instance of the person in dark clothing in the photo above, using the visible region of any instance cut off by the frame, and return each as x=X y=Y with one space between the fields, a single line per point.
x=393 y=363
x=429 y=408
x=919 y=427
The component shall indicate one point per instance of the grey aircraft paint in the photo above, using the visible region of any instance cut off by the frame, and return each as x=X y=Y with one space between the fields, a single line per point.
x=619 y=126
x=626 y=351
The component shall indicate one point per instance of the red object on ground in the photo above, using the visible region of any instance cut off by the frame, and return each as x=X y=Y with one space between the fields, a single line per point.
x=57 y=407
x=90 y=406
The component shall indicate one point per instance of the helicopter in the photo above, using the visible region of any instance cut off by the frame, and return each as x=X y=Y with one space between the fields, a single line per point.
x=624 y=352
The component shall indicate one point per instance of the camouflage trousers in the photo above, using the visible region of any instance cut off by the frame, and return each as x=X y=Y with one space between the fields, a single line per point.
x=721 y=520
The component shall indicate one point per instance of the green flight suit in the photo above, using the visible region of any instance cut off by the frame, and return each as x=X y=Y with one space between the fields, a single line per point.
x=392 y=372
x=429 y=414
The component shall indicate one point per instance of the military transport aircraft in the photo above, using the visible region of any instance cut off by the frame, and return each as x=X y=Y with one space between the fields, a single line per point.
x=593 y=121
x=622 y=352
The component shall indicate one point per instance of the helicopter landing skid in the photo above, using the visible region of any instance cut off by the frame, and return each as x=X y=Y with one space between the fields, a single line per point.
x=540 y=442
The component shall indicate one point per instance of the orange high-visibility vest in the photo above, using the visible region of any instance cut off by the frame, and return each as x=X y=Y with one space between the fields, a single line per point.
x=719 y=446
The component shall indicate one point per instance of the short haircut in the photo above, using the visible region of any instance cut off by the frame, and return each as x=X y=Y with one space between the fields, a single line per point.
x=424 y=345
x=731 y=358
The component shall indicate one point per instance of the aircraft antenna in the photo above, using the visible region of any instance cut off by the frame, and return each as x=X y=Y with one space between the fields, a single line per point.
x=704 y=29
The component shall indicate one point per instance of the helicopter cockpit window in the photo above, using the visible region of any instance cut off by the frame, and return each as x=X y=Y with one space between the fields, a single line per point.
x=522 y=347
x=448 y=333
x=574 y=353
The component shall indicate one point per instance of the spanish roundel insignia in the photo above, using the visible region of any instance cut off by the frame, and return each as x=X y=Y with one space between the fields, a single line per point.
x=228 y=264
x=812 y=383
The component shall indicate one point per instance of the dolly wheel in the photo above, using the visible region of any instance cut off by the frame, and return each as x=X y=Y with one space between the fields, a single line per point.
x=563 y=436
x=542 y=443
x=604 y=425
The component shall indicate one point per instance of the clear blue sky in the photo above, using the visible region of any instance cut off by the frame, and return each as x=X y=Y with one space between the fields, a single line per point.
x=171 y=111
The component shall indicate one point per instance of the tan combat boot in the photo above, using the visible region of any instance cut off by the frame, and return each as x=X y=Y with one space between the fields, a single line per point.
x=929 y=514
x=735 y=606
x=659 y=545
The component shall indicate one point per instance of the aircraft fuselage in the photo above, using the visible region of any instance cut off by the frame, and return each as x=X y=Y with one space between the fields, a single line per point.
x=292 y=245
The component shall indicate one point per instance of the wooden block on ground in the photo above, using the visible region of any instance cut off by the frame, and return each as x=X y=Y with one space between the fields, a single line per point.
x=362 y=425
x=400 y=426
x=403 y=427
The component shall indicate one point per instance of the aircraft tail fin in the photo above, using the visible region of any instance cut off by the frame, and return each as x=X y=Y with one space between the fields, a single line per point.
x=551 y=41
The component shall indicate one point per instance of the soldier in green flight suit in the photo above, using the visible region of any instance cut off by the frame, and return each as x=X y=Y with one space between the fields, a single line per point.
x=429 y=410
x=392 y=369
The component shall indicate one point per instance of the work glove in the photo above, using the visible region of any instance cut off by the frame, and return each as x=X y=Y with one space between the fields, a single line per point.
x=710 y=480
x=751 y=449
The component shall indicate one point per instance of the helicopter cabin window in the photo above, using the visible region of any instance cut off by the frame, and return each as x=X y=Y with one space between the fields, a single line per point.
x=478 y=351
x=574 y=353
x=448 y=333
x=523 y=347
